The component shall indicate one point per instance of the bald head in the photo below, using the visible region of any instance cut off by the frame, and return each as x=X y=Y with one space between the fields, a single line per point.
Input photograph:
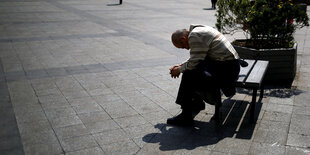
x=180 y=38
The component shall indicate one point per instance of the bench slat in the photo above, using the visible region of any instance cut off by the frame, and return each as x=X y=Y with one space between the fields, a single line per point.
x=256 y=76
x=244 y=72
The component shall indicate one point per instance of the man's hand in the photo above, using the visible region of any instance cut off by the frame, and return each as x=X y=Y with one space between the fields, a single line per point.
x=174 y=71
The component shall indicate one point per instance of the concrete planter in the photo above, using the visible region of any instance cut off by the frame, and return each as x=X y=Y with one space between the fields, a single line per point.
x=303 y=7
x=303 y=1
x=282 y=63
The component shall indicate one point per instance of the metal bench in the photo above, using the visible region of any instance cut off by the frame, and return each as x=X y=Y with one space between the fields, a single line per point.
x=250 y=77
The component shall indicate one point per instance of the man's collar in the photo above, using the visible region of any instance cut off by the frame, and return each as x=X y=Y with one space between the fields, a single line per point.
x=192 y=26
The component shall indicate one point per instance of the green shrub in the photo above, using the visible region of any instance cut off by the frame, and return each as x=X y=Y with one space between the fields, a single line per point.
x=267 y=23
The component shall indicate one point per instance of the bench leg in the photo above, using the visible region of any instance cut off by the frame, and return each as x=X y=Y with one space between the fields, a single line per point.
x=218 y=104
x=252 y=106
x=120 y=1
x=217 y=111
x=261 y=95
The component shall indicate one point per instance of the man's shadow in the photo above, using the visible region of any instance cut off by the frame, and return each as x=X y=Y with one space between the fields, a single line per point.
x=207 y=132
x=175 y=138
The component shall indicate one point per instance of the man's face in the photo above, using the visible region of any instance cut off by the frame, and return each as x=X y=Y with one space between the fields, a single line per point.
x=181 y=42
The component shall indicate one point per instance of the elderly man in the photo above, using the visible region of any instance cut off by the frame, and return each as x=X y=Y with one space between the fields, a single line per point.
x=213 y=65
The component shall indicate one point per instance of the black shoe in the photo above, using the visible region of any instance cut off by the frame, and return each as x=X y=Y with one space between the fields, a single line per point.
x=183 y=119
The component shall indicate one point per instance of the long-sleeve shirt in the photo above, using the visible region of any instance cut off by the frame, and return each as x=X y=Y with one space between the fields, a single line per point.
x=205 y=41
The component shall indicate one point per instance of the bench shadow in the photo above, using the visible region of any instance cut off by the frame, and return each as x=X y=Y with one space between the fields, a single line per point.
x=207 y=132
x=274 y=92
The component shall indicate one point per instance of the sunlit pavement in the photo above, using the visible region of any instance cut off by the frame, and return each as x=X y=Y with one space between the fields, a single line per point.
x=92 y=77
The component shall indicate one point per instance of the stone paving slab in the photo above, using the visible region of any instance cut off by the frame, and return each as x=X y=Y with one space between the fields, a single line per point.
x=91 y=77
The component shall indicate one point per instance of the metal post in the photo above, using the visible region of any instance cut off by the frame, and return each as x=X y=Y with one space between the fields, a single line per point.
x=252 y=106
x=218 y=104
x=261 y=95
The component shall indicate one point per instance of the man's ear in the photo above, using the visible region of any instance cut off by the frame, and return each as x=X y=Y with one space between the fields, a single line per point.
x=183 y=37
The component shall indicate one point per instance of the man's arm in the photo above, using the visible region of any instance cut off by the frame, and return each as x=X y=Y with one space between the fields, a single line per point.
x=198 y=51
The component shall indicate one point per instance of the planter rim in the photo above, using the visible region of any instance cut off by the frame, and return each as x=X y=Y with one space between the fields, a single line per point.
x=266 y=49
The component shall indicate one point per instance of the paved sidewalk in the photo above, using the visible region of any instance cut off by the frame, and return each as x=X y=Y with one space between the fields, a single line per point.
x=91 y=77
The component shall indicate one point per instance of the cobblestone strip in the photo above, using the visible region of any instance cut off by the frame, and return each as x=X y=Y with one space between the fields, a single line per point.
x=10 y=140
x=59 y=37
x=82 y=69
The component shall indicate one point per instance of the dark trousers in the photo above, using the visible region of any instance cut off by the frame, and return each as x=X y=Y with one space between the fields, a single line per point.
x=213 y=3
x=211 y=77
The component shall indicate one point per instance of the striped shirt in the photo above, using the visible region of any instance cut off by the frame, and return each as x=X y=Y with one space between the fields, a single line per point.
x=205 y=41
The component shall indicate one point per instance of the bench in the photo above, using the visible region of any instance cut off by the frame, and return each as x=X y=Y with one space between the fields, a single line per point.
x=250 y=77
